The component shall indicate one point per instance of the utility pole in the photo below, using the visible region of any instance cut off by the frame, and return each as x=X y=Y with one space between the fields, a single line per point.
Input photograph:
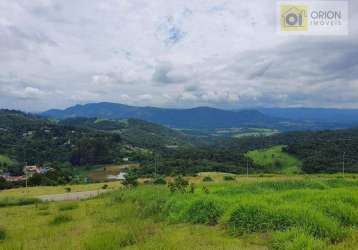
x=155 y=165
x=343 y=163
x=247 y=167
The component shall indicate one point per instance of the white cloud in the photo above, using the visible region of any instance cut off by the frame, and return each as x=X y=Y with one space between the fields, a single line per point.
x=177 y=53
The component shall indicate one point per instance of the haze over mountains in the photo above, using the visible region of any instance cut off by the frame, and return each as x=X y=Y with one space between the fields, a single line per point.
x=212 y=118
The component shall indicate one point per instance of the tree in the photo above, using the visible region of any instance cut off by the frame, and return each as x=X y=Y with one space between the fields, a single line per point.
x=131 y=179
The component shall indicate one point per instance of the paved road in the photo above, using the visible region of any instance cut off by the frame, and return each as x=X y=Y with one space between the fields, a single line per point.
x=71 y=196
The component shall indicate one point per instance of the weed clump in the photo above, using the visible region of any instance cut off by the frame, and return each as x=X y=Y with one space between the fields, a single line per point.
x=2 y=233
x=60 y=219
x=296 y=239
x=260 y=217
x=204 y=211
x=159 y=181
x=228 y=178
x=67 y=206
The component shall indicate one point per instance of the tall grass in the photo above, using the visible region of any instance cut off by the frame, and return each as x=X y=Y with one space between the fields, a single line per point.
x=17 y=201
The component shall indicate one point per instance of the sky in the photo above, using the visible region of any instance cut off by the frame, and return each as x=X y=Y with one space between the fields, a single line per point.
x=169 y=53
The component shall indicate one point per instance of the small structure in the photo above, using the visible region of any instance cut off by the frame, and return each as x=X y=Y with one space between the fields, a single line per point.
x=121 y=176
x=31 y=170
x=126 y=159
x=14 y=178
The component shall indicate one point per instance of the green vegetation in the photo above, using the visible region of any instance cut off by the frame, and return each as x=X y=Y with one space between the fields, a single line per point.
x=255 y=132
x=276 y=160
x=207 y=179
x=278 y=213
x=5 y=161
x=2 y=233
x=13 y=201
x=59 y=219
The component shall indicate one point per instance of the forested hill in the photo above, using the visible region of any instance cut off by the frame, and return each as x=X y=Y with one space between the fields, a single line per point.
x=35 y=140
x=319 y=151
x=137 y=132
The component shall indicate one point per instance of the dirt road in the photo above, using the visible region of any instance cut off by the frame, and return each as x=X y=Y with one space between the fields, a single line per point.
x=71 y=196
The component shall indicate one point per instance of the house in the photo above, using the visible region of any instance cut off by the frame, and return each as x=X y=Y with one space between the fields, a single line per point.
x=125 y=159
x=31 y=170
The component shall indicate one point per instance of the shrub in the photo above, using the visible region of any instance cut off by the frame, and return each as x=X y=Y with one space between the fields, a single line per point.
x=258 y=217
x=105 y=186
x=67 y=206
x=207 y=179
x=204 y=211
x=159 y=181
x=346 y=214
x=131 y=179
x=179 y=184
x=296 y=239
x=68 y=189
x=191 y=188
x=60 y=219
x=2 y=233
x=229 y=178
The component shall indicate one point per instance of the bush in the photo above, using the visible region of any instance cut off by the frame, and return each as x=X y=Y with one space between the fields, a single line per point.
x=179 y=184
x=105 y=186
x=229 y=178
x=207 y=179
x=131 y=179
x=2 y=233
x=204 y=211
x=296 y=239
x=257 y=217
x=60 y=219
x=68 y=190
x=159 y=181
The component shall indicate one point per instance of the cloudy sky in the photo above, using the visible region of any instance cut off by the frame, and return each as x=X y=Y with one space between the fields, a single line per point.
x=169 y=53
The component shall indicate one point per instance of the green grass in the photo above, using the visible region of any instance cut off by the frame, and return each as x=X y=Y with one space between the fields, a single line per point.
x=278 y=213
x=274 y=158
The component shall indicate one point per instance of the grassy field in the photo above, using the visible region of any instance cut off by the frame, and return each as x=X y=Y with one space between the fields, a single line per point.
x=248 y=213
x=274 y=158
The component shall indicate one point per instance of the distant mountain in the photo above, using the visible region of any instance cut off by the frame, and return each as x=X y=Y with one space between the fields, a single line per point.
x=195 y=118
x=328 y=118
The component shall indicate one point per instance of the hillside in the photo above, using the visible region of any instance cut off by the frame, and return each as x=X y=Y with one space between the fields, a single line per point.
x=196 y=118
x=275 y=160
x=136 y=132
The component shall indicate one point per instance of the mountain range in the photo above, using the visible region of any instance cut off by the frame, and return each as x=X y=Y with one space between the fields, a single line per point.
x=284 y=119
